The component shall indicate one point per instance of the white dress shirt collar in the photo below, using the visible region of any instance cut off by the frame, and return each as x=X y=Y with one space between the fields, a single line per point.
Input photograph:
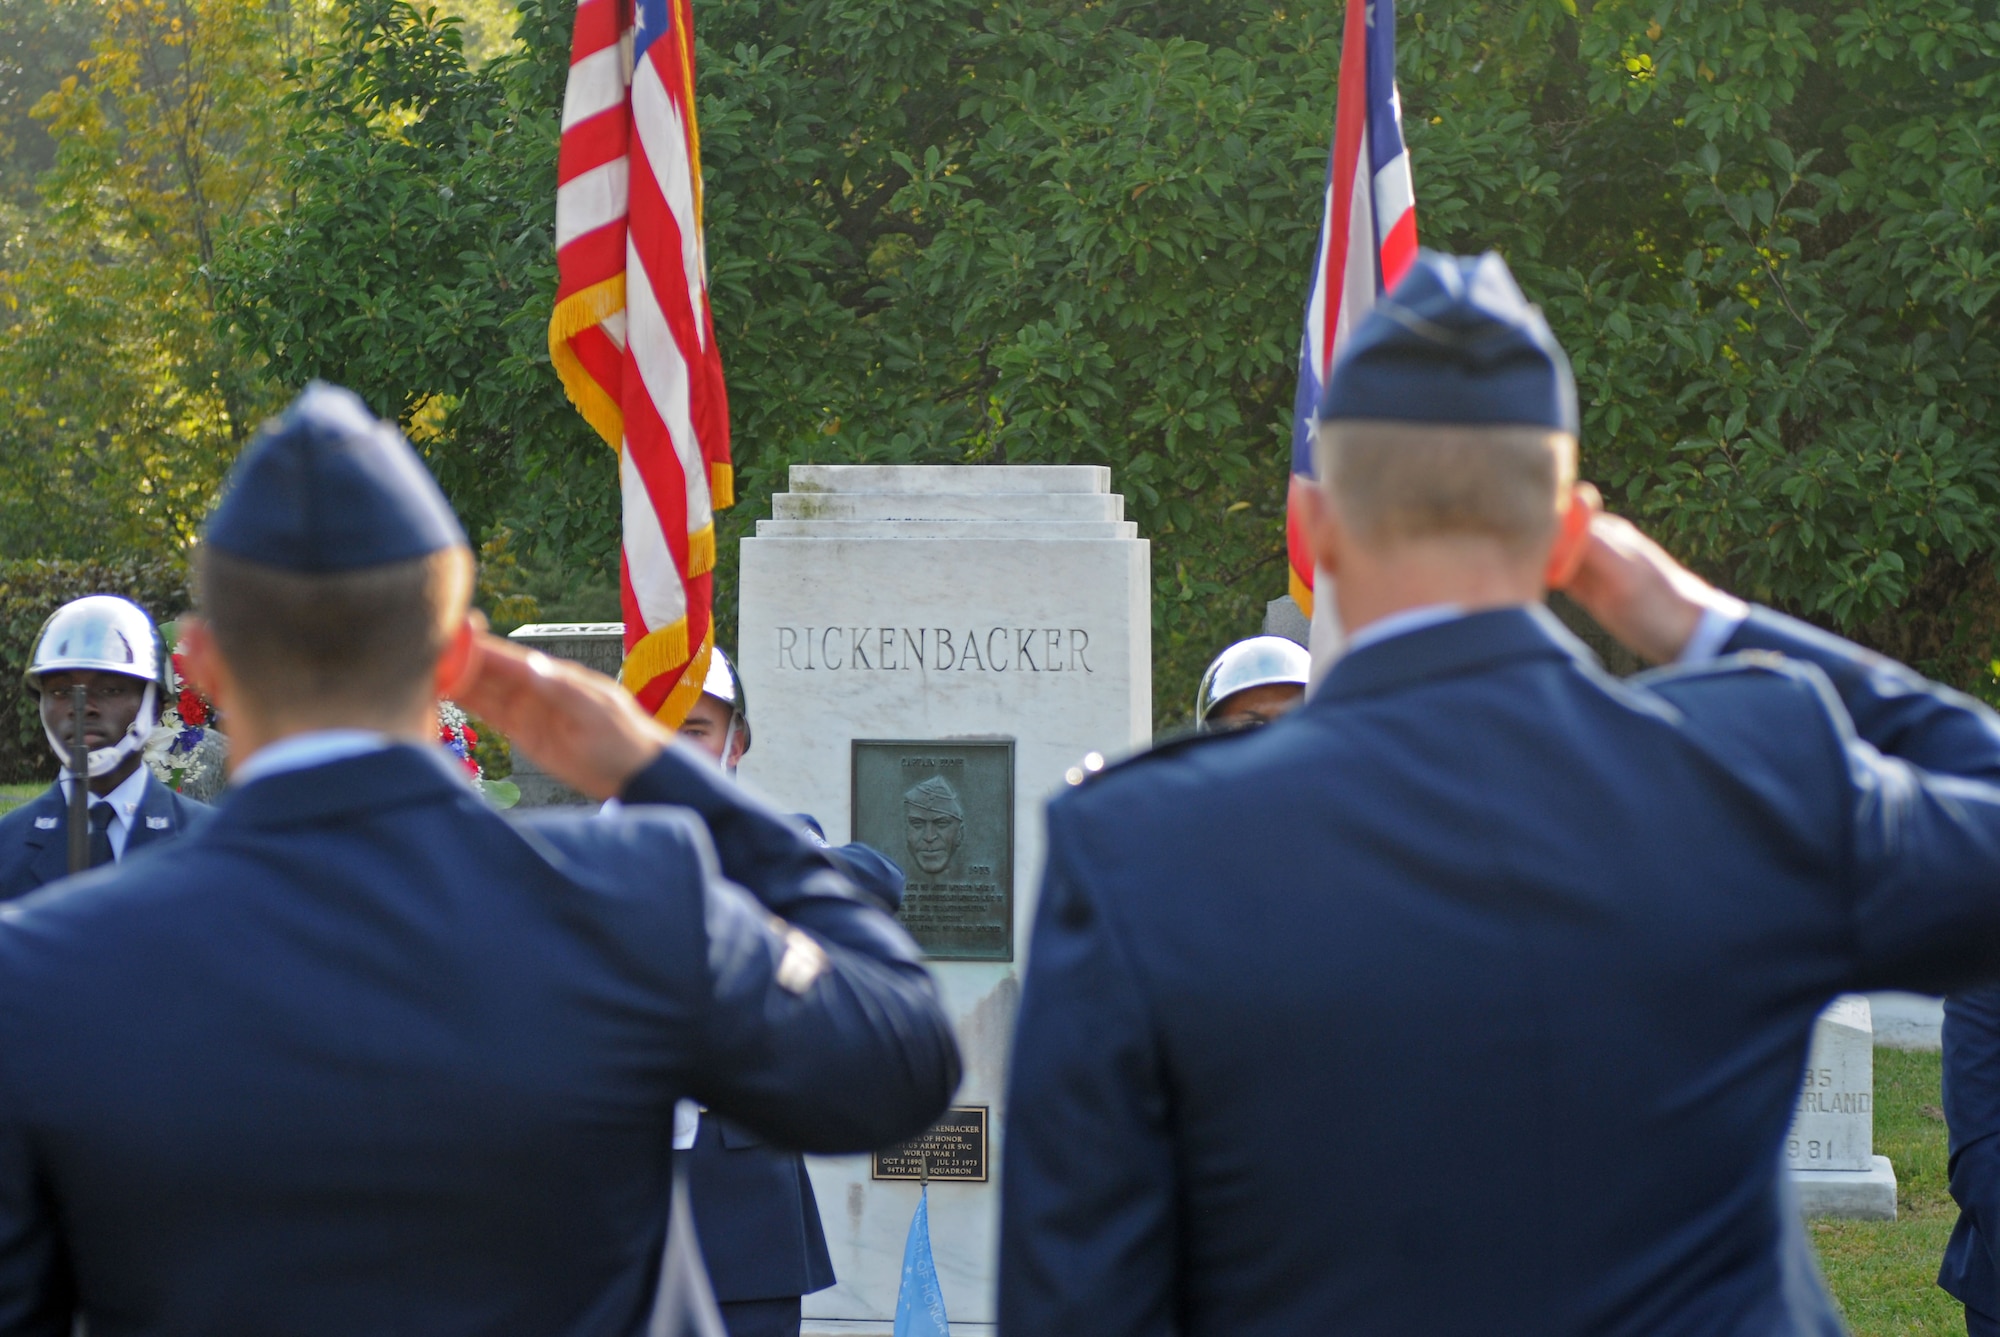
x=1721 y=615
x=1402 y=623
x=124 y=801
x=302 y=751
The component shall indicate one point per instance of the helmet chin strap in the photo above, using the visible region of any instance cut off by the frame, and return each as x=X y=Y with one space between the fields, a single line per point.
x=105 y=760
x=729 y=744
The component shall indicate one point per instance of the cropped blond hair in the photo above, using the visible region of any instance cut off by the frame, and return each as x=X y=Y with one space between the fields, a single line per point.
x=1399 y=482
x=368 y=638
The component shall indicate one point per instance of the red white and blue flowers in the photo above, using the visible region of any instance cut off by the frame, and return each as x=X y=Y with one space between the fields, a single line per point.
x=186 y=742
x=456 y=733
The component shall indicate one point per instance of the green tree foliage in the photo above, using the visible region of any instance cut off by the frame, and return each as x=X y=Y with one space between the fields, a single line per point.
x=416 y=265
x=1027 y=231
x=121 y=401
x=41 y=44
x=1773 y=245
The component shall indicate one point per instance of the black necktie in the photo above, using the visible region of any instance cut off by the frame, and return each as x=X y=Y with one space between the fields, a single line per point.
x=100 y=834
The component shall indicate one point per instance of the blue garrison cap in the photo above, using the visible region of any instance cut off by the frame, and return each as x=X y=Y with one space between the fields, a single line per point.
x=327 y=486
x=1455 y=342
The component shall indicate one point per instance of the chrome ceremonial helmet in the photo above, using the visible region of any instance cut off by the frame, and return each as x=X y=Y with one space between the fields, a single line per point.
x=723 y=684
x=1257 y=662
x=105 y=634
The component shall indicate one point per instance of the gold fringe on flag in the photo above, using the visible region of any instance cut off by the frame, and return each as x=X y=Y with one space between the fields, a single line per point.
x=661 y=650
x=701 y=551
x=573 y=315
x=674 y=709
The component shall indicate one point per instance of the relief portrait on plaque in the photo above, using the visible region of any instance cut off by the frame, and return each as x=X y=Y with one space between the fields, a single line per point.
x=936 y=823
x=944 y=811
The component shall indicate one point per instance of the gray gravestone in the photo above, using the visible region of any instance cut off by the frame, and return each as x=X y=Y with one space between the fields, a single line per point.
x=1830 y=1148
x=1283 y=617
x=596 y=645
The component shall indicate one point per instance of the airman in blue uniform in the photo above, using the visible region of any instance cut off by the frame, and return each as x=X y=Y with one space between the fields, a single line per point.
x=1473 y=996
x=753 y=1202
x=366 y=1057
x=1252 y=683
x=110 y=648
x=1971 y=1267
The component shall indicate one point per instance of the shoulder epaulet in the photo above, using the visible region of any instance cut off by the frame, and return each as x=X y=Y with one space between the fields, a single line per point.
x=1094 y=767
x=1742 y=661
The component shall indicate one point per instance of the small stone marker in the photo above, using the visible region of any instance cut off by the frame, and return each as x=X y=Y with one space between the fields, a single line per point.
x=597 y=645
x=1283 y=617
x=1830 y=1148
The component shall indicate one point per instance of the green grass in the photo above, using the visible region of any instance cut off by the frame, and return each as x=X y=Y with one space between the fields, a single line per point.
x=1884 y=1273
x=13 y=796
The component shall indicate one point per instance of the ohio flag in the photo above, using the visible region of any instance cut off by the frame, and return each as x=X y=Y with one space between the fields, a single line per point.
x=1366 y=242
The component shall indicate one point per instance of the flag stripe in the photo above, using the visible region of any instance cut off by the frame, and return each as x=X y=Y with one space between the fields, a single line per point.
x=632 y=337
x=599 y=140
x=656 y=584
x=602 y=356
x=1399 y=249
x=599 y=23
x=659 y=122
x=1358 y=277
x=670 y=390
x=1395 y=194
x=590 y=258
x=596 y=85
x=1368 y=237
x=597 y=199
x=1350 y=132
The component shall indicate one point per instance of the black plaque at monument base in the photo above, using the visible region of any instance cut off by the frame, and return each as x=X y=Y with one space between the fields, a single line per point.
x=944 y=810
x=952 y=1149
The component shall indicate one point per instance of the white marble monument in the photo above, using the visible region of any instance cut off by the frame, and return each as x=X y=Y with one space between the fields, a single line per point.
x=926 y=651
x=1830 y=1147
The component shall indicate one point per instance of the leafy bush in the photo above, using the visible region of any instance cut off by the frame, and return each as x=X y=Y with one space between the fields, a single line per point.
x=29 y=593
x=944 y=231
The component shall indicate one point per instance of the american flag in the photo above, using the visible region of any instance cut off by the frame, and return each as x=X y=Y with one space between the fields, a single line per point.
x=632 y=337
x=1366 y=243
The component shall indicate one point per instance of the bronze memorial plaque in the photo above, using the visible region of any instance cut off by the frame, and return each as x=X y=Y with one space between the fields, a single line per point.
x=952 y=1149
x=944 y=811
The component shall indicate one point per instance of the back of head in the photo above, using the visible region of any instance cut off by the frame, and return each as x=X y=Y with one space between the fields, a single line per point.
x=1451 y=414
x=333 y=572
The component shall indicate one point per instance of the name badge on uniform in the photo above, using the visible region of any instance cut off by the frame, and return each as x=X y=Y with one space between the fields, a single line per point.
x=157 y=823
x=45 y=824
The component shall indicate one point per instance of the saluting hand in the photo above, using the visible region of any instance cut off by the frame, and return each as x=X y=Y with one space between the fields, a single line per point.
x=1649 y=602
x=579 y=726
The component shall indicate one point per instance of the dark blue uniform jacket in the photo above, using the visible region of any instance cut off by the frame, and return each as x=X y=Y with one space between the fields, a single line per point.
x=753 y=1202
x=1474 y=996
x=1971 y=1269
x=363 y=1056
x=34 y=838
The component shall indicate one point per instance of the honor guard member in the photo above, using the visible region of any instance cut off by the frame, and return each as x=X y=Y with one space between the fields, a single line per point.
x=110 y=648
x=1252 y=682
x=1501 y=1021
x=367 y=1057
x=753 y=1203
